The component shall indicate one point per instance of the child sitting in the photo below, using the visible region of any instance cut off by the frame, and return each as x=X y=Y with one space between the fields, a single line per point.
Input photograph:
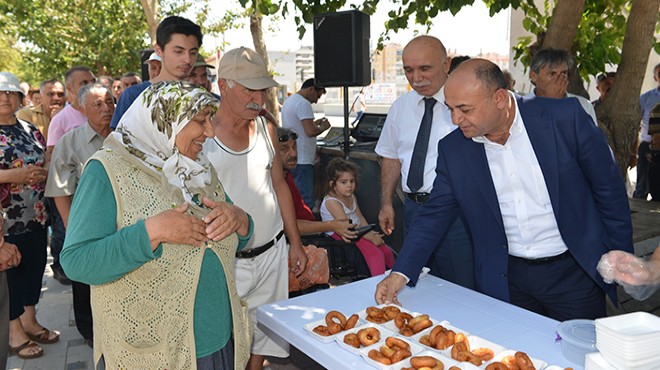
x=341 y=204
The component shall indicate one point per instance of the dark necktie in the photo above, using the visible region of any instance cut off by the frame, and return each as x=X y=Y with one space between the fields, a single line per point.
x=416 y=171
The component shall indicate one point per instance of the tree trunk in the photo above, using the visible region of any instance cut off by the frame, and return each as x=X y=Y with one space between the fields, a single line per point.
x=151 y=13
x=260 y=47
x=620 y=114
x=563 y=26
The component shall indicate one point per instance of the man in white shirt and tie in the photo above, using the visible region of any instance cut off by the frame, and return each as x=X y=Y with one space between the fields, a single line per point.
x=421 y=115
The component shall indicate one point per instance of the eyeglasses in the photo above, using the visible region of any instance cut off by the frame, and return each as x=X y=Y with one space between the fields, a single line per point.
x=284 y=138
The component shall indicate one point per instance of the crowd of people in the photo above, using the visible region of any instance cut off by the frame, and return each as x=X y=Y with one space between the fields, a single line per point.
x=175 y=231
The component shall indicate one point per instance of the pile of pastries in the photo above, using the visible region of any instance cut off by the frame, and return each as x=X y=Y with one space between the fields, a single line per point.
x=389 y=335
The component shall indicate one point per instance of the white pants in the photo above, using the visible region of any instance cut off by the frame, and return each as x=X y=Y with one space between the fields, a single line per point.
x=261 y=280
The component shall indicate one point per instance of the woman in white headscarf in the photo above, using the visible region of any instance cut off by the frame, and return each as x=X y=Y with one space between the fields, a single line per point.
x=155 y=235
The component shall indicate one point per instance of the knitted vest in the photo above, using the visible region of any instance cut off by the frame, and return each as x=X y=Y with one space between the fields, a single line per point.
x=144 y=320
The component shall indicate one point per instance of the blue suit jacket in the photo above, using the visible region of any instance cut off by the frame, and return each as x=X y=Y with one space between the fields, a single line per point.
x=586 y=190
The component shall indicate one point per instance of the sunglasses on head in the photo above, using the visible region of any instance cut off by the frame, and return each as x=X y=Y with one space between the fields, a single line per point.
x=286 y=137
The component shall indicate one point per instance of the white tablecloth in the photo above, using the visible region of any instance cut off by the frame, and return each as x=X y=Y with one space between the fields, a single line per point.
x=491 y=319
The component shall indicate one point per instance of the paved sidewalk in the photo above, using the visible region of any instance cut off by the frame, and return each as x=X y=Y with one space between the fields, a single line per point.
x=55 y=311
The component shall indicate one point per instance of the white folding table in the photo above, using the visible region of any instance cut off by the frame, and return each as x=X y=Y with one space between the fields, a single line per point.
x=489 y=318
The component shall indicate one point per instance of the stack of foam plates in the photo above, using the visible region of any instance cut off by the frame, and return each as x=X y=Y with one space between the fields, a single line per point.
x=596 y=361
x=630 y=341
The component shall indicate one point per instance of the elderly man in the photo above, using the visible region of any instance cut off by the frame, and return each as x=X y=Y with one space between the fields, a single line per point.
x=66 y=120
x=297 y=115
x=153 y=65
x=249 y=168
x=10 y=257
x=408 y=146
x=52 y=101
x=71 y=116
x=548 y=72
x=541 y=189
x=177 y=43
x=66 y=166
x=200 y=74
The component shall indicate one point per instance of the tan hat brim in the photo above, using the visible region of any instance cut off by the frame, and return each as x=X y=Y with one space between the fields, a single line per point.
x=258 y=83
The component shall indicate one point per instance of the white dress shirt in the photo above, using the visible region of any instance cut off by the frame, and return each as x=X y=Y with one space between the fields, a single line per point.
x=529 y=222
x=397 y=140
x=586 y=104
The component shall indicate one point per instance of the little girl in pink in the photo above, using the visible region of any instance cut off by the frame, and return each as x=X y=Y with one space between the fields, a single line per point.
x=341 y=204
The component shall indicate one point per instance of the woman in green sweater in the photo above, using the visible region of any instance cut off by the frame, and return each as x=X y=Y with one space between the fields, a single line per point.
x=155 y=235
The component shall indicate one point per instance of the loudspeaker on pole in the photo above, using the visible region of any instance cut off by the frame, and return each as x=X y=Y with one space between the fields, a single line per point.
x=341 y=49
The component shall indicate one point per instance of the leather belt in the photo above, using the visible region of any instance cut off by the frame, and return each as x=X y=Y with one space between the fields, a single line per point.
x=419 y=198
x=543 y=260
x=253 y=252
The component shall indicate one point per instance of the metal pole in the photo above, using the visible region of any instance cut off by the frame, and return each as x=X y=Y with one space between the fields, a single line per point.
x=347 y=140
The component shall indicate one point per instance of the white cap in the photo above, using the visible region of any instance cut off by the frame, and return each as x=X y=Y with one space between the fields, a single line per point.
x=153 y=56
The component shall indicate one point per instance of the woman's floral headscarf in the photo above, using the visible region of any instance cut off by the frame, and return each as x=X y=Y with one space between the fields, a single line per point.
x=148 y=129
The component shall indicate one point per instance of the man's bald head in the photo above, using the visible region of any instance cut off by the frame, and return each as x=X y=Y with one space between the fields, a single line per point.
x=425 y=64
x=427 y=41
x=481 y=73
x=477 y=96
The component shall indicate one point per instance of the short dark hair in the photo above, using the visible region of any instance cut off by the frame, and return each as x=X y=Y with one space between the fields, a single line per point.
x=308 y=83
x=603 y=76
x=48 y=82
x=551 y=57
x=175 y=24
x=67 y=75
x=130 y=74
x=655 y=69
x=455 y=61
x=491 y=76
x=105 y=79
x=284 y=132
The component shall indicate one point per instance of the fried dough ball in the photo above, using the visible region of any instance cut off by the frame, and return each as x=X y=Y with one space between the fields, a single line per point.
x=402 y=319
x=510 y=363
x=379 y=357
x=368 y=336
x=486 y=354
x=352 y=340
x=497 y=366
x=524 y=362
x=391 y=312
x=321 y=330
x=350 y=323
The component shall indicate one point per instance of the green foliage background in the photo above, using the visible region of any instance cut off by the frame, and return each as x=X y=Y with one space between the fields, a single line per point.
x=51 y=36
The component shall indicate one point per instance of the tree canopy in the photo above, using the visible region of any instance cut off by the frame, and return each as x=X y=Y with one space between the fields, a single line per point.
x=106 y=35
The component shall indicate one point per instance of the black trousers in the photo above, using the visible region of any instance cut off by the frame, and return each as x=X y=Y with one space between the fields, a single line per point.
x=82 y=309
x=25 y=280
x=561 y=290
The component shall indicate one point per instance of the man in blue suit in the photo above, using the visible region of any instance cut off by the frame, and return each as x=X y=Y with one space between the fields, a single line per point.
x=540 y=191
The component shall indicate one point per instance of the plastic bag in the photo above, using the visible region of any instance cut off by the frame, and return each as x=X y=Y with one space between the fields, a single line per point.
x=634 y=274
x=316 y=272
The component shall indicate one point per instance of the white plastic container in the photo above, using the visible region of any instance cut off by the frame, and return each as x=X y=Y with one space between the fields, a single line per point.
x=578 y=337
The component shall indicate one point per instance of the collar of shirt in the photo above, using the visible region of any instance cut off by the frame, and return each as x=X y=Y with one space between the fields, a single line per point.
x=90 y=133
x=439 y=96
